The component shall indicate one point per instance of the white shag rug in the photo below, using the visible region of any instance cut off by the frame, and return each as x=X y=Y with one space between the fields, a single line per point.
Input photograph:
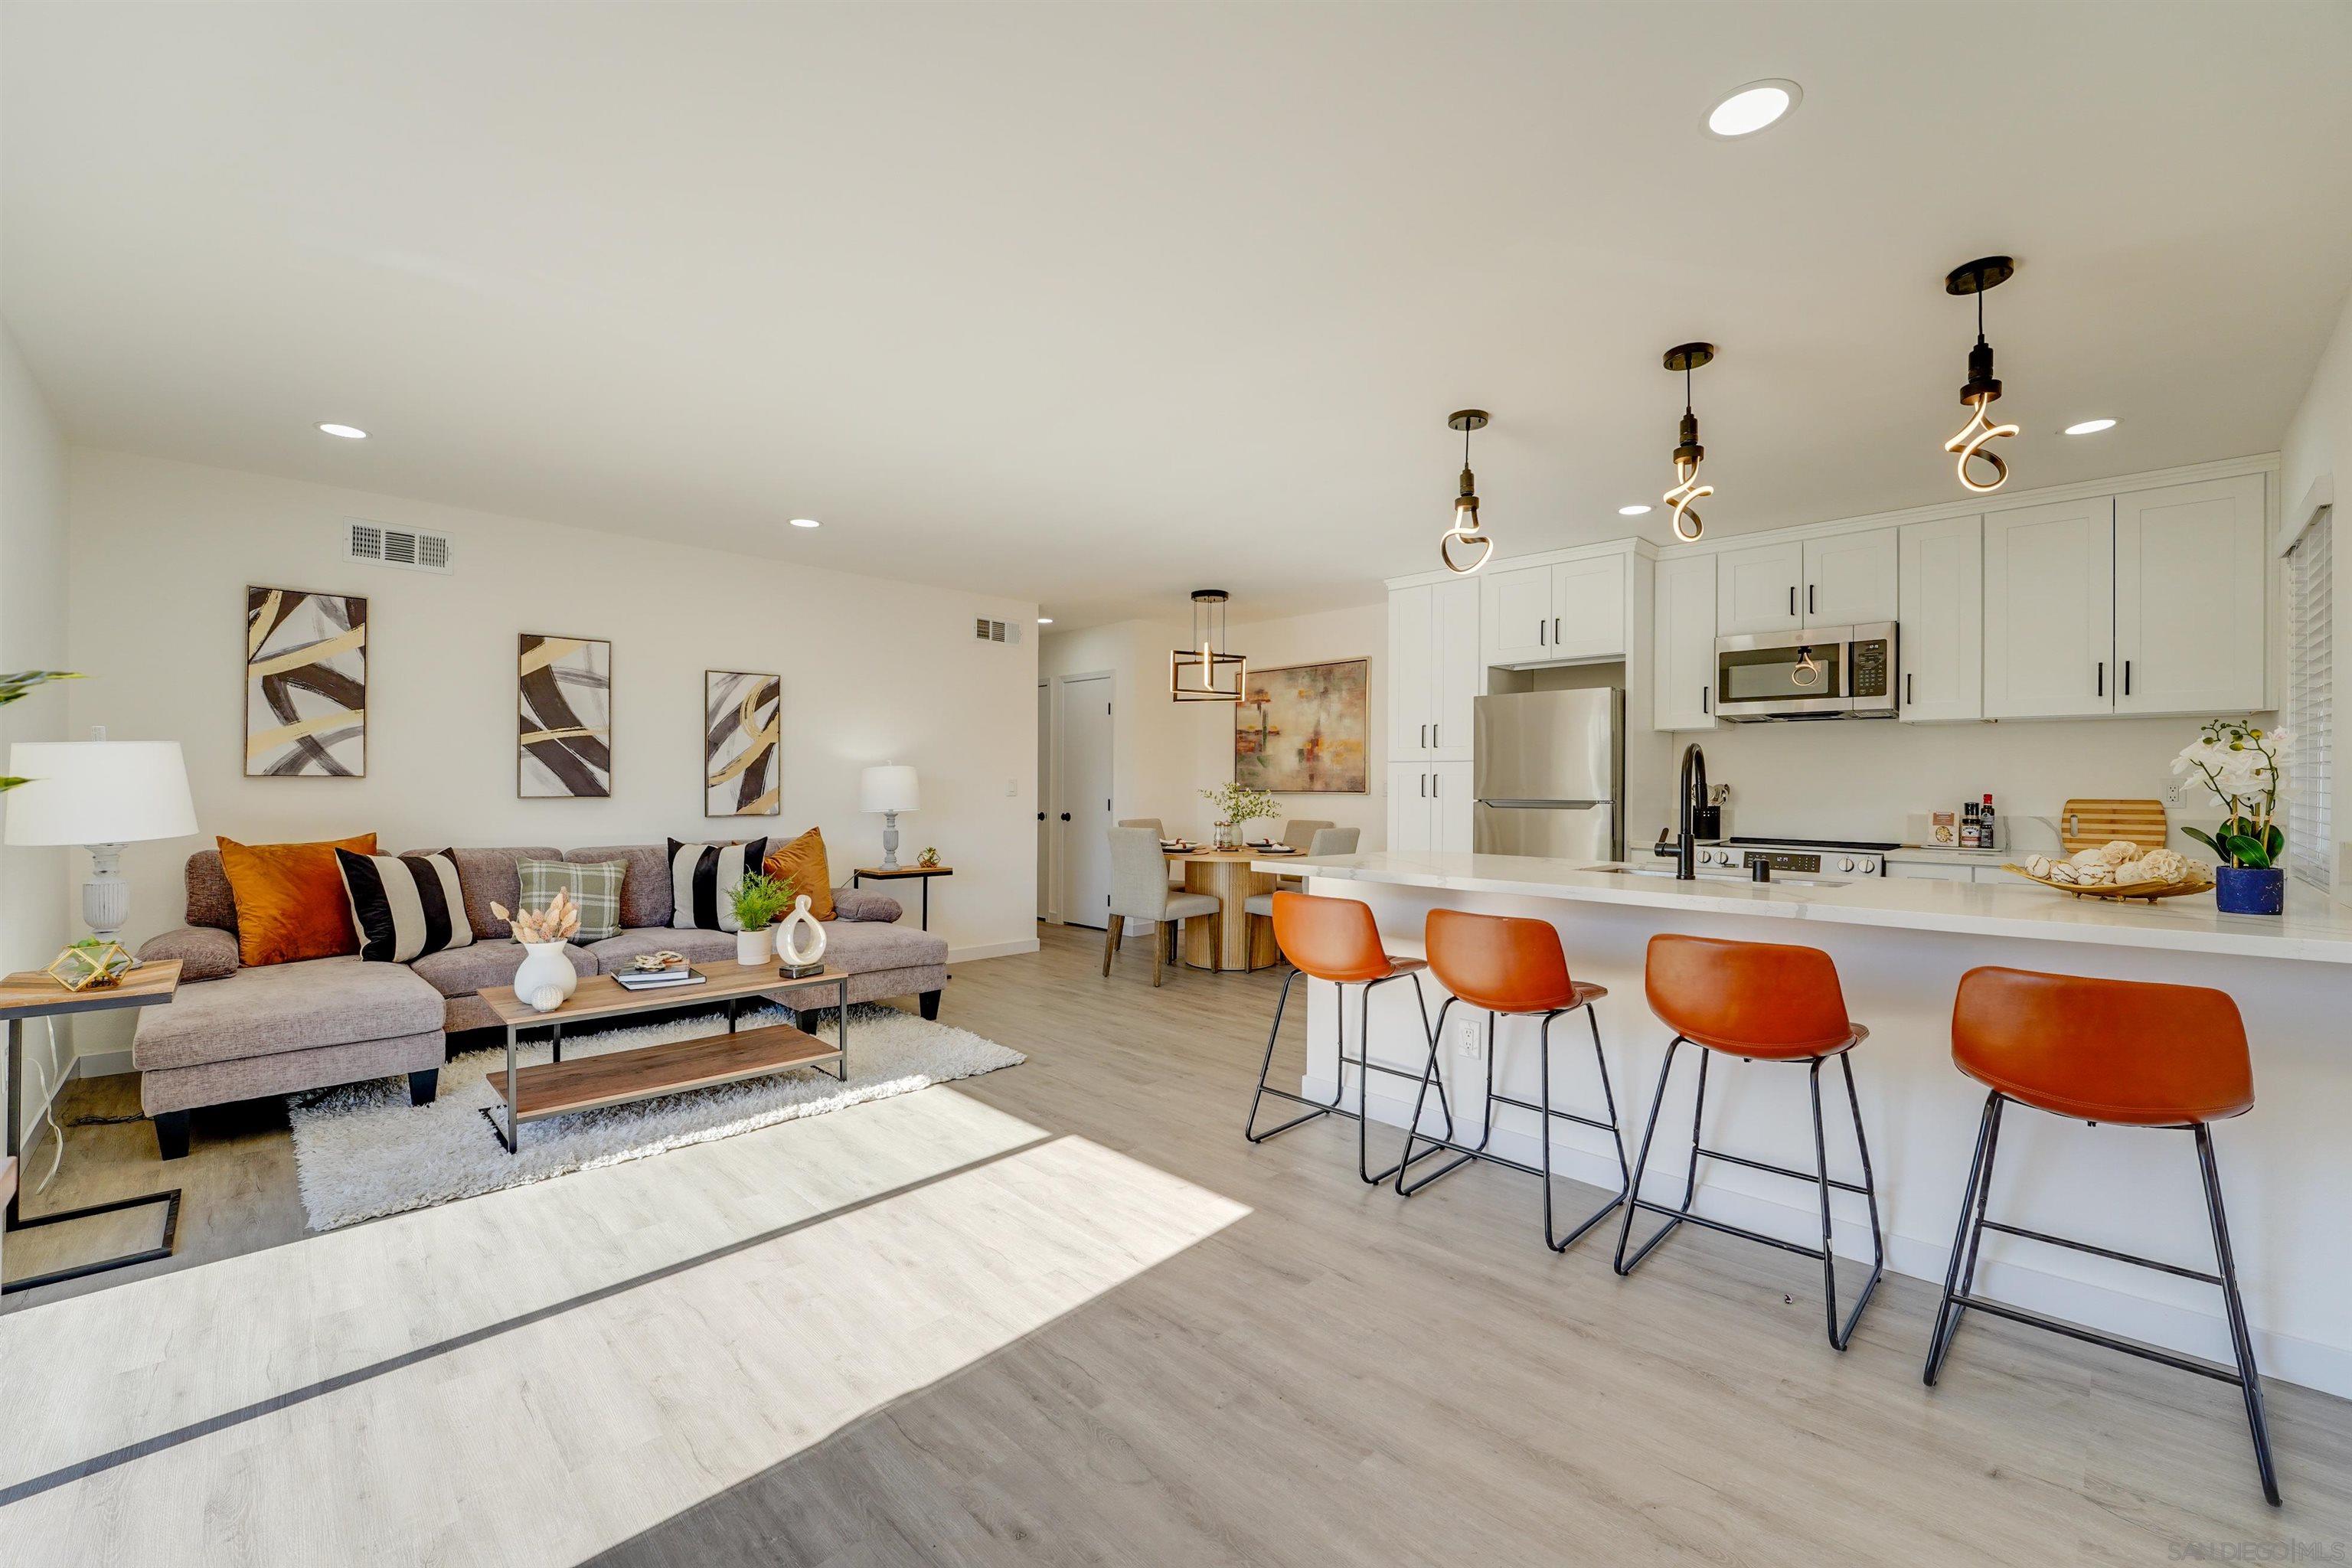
x=361 y=1150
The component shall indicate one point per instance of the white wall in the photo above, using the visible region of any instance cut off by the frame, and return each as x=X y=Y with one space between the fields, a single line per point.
x=2315 y=464
x=1861 y=779
x=1164 y=752
x=33 y=919
x=872 y=670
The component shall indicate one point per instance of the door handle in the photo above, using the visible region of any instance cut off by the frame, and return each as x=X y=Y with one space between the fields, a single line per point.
x=2127 y=678
x=1041 y=816
x=1424 y=737
x=1540 y=631
x=2102 y=687
x=1907 y=698
x=1424 y=786
x=1793 y=598
x=1705 y=694
x=1555 y=631
x=1065 y=816
x=1434 y=732
x=1808 y=599
x=1435 y=780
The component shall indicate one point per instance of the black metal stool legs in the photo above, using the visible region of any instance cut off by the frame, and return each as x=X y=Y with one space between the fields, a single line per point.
x=1959 y=1282
x=1337 y=1105
x=1839 y=1335
x=1624 y=1176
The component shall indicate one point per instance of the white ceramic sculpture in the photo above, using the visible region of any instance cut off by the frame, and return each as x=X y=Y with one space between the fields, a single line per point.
x=545 y=979
x=800 y=940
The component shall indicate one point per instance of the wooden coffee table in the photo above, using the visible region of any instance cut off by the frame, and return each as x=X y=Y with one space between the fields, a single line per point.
x=556 y=1087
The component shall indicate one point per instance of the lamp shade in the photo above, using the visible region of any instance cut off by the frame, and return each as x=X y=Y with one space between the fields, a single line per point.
x=890 y=787
x=98 y=791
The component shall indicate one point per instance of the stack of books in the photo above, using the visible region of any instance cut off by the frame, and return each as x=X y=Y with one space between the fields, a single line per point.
x=655 y=979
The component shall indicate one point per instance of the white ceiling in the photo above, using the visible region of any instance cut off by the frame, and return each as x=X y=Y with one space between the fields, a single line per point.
x=1096 y=303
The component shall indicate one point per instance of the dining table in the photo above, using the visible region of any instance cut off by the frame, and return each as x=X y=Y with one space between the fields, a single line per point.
x=1231 y=940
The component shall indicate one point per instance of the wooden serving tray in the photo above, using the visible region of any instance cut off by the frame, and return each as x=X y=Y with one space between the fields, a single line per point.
x=2151 y=891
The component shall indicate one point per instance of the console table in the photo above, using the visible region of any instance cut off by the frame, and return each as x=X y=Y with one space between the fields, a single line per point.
x=32 y=994
x=894 y=873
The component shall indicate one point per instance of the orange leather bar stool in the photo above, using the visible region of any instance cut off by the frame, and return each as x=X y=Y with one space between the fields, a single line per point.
x=1510 y=968
x=2124 y=1051
x=1763 y=1002
x=1335 y=940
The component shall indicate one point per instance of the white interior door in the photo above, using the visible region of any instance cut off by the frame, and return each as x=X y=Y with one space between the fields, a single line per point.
x=1085 y=818
x=1044 y=800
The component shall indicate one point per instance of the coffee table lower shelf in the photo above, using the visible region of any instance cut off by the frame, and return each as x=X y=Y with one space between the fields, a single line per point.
x=557 y=1088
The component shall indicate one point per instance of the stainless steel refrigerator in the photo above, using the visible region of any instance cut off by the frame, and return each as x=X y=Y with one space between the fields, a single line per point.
x=1550 y=774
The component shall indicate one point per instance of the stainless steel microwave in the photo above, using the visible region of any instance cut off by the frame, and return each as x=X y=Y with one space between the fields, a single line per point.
x=1821 y=672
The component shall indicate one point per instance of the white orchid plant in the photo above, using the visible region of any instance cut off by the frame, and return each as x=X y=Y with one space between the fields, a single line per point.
x=1236 y=803
x=2240 y=763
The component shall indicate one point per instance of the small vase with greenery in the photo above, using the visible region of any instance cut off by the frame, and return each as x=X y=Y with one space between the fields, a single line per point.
x=1236 y=805
x=2240 y=764
x=758 y=900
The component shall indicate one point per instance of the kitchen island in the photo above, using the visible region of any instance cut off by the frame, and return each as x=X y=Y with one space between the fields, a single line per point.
x=1901 y=947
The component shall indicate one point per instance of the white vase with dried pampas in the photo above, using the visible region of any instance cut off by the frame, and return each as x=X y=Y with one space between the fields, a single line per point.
x=545 y=979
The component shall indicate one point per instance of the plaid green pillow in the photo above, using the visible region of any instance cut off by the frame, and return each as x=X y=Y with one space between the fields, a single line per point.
x=596 y=891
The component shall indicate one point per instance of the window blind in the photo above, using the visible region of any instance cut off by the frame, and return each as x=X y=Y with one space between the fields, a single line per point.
x=2310 y=706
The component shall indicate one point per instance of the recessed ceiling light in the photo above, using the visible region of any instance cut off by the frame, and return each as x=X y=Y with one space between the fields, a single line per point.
x=2090 y=427
x=1045 y=620
x=1754 y=107
x=1631 y=511
x=348 y=432
x=803 y=522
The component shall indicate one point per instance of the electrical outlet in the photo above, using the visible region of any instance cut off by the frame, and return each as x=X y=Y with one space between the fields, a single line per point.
x=1467 y=1041
x=2176 y=793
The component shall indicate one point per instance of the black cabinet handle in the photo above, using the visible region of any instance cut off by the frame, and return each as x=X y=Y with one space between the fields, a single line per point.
x=1555 y=631
x=1908 y=699
x=1433 y=741
x=1424 y=786
x=1705 y=694
x=2102 y=687
x=1540 y=631
x=2127 y=678
x=1808 y=599
x=1793 y=598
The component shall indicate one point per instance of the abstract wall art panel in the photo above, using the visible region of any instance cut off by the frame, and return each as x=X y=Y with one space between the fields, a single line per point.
x=566 y=698
x=305 y=684
x=741 y=770
x=1301 y=729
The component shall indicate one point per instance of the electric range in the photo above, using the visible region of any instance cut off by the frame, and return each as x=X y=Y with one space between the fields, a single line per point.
x=1799 y=856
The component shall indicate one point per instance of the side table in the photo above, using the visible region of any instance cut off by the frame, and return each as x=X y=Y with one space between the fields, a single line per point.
x=31 y=995
x=895 y=873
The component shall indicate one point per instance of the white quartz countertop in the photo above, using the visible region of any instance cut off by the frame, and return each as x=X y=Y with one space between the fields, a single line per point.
x=2315 y=928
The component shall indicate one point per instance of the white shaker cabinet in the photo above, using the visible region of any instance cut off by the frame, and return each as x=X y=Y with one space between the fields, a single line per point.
x=2191 y=581
x=1515 y=615
x=1939 y=612
x=1683 y=644
x=1757 y=588
x=1850 y=578
x=1587 y=608
x=1563 y=614
x=1433 y=670
x=2049 y=610
x=1429 y=806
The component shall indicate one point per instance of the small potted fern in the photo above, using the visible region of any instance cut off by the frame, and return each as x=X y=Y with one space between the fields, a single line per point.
x=757 y=900
x=2240 y=764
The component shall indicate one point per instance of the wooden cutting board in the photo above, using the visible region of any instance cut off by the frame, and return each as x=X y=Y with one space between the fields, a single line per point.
x=2087 y=823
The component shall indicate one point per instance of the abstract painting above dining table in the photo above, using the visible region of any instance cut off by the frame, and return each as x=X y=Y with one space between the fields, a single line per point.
x=1302 y=729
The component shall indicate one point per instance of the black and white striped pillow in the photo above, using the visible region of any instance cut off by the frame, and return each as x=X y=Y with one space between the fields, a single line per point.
x=406 y=905
x=701 y=877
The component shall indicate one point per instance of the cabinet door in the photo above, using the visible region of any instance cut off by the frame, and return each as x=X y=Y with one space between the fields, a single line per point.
x=1515 y=615
x=1456 y=676
x=2191 y=583
x=1413 y=675
x=1941 y=606
x=1587 y=608
x=1412 y=809
x=1452 y=808
x=2050 y=607
x=1683 y=644
x=1756 y=588
x=1850 y=578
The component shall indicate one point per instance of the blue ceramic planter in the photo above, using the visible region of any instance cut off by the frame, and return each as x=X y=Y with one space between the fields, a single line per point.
x=2250 y=890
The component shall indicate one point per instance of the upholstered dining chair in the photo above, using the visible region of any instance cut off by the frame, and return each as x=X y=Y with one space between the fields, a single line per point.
x=1299 y=833
x=1325 y=841
x=1140 y=892
x=1175 y=873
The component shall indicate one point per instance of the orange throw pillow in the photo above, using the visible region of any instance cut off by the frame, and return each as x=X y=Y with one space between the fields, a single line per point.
x=801 y=863
x=291 y=902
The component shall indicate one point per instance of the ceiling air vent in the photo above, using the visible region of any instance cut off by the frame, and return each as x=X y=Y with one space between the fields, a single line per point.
x=985 y=630
x=408 y=548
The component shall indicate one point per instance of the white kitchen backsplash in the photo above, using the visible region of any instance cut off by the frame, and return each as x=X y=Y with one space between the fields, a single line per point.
x=1864 y=778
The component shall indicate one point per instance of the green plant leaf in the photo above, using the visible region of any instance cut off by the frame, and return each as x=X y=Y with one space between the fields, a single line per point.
x=2244 y=851
x=2205 y=838
x=13 y=687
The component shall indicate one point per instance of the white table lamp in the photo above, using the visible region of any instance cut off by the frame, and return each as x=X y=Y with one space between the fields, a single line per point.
x=102 y=794
x=889 y=789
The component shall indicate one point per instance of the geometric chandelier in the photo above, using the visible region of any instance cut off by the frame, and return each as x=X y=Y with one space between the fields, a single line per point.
x=1208 y=671
x=1983 y=387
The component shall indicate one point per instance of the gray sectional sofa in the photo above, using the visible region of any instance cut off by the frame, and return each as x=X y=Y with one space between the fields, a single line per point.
x=234 y=1033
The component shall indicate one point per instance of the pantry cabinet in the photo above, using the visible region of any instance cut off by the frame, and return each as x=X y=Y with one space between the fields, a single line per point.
x=1683 y=644
x=1836 y=580
x=2190 y=582
x=1433 y=670
x=1939 y=616
x=1429 y=806
x=2049 y=610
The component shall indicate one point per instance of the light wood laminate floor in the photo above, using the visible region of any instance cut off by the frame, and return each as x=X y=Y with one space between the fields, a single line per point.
x=1062 y=1313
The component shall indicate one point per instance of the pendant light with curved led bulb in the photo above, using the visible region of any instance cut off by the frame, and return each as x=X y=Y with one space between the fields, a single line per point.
x=1983 y=387
x=1465 y=504
x=1688 y=453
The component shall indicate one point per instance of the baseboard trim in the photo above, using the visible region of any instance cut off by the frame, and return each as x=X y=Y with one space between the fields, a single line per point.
x=101 y=1064
x=991 y=950
x=2285 y=1358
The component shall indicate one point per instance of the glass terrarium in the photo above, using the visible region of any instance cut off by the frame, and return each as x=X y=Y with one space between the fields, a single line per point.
x=90 y=964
